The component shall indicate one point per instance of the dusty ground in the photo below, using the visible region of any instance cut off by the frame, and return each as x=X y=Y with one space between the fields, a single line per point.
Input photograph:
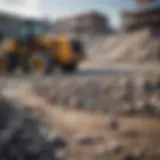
x=139 y=67
x=135 y=133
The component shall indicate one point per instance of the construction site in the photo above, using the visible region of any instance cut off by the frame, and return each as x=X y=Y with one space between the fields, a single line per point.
x=76 y=88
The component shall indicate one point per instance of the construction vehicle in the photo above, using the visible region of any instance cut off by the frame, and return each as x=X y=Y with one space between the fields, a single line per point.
x=32 y=50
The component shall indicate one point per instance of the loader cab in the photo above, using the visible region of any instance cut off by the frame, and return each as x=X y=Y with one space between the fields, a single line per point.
x=1 y=36
x=29 y=31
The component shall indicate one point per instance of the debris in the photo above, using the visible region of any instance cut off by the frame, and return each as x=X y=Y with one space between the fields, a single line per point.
x=129 y=134
x=115 y=147
x=113 y=122
x=128 y=156
x=87 y=140
x=16 y=129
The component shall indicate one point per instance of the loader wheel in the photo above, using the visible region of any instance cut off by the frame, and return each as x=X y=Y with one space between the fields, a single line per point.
x=25 y=64
x=71 y=68
x=41 y=63
x=12 y=61
x=25 y=69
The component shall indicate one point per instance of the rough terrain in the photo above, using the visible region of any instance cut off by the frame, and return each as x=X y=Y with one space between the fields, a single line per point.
x=105 y=108
x=89 y=134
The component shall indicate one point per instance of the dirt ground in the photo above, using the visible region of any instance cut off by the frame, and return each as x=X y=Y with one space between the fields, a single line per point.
x=138 y=67
x=135 y=133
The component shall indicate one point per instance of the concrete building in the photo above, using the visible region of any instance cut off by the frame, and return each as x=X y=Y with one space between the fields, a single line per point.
x=143 y=18
x=86 y=23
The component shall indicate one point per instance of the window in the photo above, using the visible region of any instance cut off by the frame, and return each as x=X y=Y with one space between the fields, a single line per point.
x=38 y=31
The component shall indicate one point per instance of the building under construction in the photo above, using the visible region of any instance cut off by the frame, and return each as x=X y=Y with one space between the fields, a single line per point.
x=92 y=22
x=142 y=18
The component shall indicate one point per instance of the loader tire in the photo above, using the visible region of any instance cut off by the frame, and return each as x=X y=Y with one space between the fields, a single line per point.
x=41 y=63
x=50 y=68
x=12 y=61
x=71 y=68
x=25 y=64
x=26 y=69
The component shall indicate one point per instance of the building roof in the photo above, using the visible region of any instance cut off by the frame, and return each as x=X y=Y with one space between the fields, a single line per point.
x=81 y=14
x=141 y=10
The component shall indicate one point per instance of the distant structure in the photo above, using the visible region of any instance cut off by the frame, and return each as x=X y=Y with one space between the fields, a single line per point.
x=9 y=23
x=92 y=22
x=143 y=18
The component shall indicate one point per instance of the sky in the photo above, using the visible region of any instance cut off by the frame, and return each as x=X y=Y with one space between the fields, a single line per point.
x=69 y=7
x=54 y=9
x=29 y=8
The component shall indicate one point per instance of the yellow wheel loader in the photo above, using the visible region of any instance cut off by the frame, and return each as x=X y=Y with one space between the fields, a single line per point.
x=32 y=50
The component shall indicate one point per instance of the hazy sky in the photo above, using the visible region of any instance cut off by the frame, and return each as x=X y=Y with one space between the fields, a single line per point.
x=59 y=8
x=23 y=7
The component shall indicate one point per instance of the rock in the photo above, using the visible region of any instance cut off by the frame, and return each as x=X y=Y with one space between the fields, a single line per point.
x=17 y=129
x=140 y=153
x=42 y=90
x=52 y=98
x=129 y=88
x=148 y=86
x=115 y=147
x=86 y=140
x=103 y=155
x=73 y=102
x=149 y=109
x=64 y=100
x=76 y=102
x=128 y=156
x=113 y=122
x=140 y=106
x=129 y=134
x=60 y=146
x=61 y=155
x=59 y=142
x=98 y=138
x=127 y=110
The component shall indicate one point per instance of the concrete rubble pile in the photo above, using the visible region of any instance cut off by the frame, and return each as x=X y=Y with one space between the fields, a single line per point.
x=136 y=46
